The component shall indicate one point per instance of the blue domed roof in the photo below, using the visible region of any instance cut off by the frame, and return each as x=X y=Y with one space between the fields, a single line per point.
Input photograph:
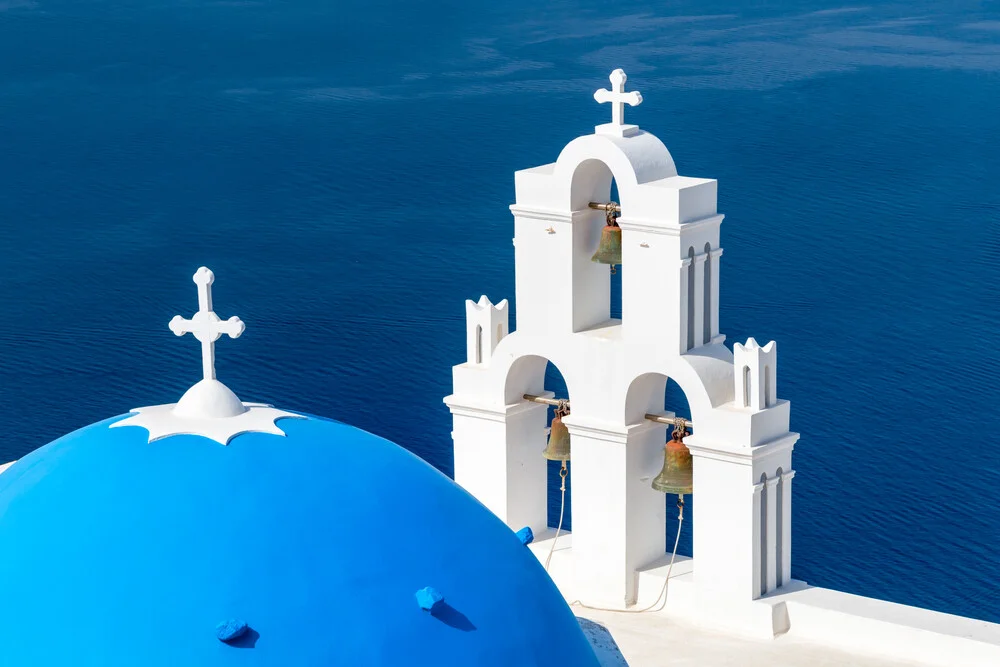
x=118 y=551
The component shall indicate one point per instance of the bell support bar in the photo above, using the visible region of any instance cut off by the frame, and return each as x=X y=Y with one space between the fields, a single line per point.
x=659 y=419
x=612 y=206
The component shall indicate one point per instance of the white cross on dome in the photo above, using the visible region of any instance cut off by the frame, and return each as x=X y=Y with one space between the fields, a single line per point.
x=209 y=408
x=205 y=324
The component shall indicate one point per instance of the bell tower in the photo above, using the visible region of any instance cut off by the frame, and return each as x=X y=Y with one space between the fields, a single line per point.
x=616 y=372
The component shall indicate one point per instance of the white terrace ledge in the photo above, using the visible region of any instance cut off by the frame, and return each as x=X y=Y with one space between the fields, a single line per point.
x=797 y=624
x=652 y=640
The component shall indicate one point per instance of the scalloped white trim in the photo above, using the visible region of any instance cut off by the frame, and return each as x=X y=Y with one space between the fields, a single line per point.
x=162 y=422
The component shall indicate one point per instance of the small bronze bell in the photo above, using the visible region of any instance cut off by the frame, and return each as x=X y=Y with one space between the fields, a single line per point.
x=558 y=447
x=610 y=249
x=676 y=476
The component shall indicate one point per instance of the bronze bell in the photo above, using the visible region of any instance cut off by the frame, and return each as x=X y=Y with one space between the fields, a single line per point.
x=676 y=476
x=610 y=249
x=558 y=447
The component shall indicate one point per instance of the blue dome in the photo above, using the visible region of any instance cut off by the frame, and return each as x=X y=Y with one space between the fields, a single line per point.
x=121 y=552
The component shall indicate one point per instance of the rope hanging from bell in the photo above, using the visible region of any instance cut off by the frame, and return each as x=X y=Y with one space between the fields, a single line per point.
x=609 y=251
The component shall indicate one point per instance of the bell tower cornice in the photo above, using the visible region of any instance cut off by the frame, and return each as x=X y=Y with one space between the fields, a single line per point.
x=550 y=215
x=651 y=226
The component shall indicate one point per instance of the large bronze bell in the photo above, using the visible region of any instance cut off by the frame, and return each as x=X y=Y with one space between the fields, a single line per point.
x=610 y=249
x=677 y=475
x=558 y=447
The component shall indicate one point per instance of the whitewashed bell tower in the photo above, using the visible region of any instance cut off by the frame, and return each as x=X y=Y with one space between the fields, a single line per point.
x=616 y=372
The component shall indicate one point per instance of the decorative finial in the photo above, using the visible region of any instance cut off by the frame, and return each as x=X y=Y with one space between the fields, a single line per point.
x=205 y=324
x=209 y=408
x=618 y=99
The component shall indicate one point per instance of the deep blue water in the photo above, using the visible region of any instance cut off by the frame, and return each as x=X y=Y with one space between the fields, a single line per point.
x=346 y=170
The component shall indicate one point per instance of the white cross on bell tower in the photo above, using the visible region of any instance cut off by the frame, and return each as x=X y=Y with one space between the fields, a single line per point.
x=618 y=99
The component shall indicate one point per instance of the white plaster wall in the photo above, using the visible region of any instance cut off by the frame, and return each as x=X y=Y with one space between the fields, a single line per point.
x=615 y=372
x=591 y=283
x=723 y=542
x=498 y=453
x=618 y=518
x=650 y=286
x=543 y=245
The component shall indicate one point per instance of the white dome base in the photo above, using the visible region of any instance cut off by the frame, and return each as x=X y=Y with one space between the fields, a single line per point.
x=209 y=399
x=163 y=421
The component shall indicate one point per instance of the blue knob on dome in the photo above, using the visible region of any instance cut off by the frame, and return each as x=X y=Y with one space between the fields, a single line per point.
x=230 y=630
x=428 y=598
x=525 y=535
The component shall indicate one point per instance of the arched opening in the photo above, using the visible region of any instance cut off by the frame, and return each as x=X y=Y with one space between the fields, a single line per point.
x=479 y=344
x=767 y=386
x=675 y=401
x=654 y=393
x=779 y=503
x=615 y=303
x=534 y=374
x=763 y=534
x=596 y=291
x=690 y=299
x=707 y=320
x=746 y=386
x=555 y=383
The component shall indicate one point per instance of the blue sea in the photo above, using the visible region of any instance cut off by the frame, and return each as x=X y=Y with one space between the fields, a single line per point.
x=345 y=169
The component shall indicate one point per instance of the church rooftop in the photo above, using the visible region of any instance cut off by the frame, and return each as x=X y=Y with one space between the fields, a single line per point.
x=634 y=640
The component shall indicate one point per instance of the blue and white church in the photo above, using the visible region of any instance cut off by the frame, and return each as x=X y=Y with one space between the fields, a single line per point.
x=222 y=533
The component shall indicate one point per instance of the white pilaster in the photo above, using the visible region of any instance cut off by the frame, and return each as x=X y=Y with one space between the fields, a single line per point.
x=716 y=256
x=618 y=519
x=682 y=318
x=758 y=526
x=726 y=524
x=772 y=533
x=498 y=459
x=786 y=526
x=699 y=299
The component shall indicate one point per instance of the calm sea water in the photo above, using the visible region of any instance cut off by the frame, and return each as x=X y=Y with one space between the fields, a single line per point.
x=345 y=170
